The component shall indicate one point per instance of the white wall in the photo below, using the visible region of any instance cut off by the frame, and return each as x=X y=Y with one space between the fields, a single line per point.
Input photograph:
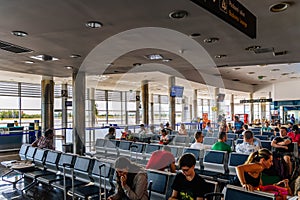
x=279 y=91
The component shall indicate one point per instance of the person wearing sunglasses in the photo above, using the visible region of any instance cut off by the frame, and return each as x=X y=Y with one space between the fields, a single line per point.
x=187 y=184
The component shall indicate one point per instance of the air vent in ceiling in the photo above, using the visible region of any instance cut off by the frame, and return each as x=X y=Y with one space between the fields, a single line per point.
x=13 y=48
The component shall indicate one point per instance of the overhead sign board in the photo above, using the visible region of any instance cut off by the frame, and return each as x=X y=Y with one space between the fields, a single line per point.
x=233 y=13
x=255 y=100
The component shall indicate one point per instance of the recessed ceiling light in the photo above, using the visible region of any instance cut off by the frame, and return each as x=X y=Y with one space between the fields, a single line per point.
x=220 y=56
x=279 y=7
x=28 y=62
x=93 y=24
x=254 y=84
x=69 y=67
x=19 y=33
x=211 y=40
x=251 y=73
x=285 y=74
x=167 y=60
x=75 y=56
x=275 y=70
x=154 y=57
x=178 y=14
x=252 y=48
x=235 y=79
x=273 y=79
x=194 y=35
x=236 y=68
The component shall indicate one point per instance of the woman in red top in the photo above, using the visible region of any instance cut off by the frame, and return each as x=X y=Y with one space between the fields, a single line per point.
x=295 y=134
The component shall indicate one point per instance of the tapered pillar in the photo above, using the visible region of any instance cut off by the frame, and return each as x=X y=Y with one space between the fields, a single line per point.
x=145 y=101
x=47 y=102
x=138 y=104
x=152 y=108
x=79 y=112
x=195 y=105
x=171 y=103
x=232 y=106
x=64 y=109
x=251 y=108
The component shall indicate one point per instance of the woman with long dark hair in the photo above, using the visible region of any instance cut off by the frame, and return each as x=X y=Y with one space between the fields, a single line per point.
x=249 y=174
x=131 y=181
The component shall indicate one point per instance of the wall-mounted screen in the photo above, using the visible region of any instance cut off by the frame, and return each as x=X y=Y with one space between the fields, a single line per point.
x=220 y=97
x=176 y=91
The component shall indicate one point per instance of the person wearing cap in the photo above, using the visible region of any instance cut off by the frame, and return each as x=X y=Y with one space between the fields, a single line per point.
x=162 y=160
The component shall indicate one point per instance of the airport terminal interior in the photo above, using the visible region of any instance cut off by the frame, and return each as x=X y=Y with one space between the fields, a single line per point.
x=83 y=68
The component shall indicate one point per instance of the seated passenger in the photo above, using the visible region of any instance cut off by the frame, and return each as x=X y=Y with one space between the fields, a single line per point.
x=198 y=144
x=249 y=174
x=208 y=128
x=182 y=130
x=221 y=145
x=125 y=133
x=188 y=184
x=266 y=128
x=295 y=134
x=164 y=138
x=162 y=160
x=284 y=147
x=131 y=181
x=248 y=145
x=168 y=127
x=111 y=134
x=45 y=141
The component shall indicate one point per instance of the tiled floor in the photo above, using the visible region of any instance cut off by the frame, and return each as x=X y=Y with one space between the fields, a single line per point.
x=38 y=192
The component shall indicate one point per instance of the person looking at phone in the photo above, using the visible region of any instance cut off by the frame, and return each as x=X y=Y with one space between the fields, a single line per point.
x=131 y=181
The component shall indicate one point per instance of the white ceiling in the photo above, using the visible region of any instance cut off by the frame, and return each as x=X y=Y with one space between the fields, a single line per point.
x=133 y=29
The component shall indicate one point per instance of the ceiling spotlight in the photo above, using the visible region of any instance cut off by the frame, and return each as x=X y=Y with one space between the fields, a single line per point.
x=19 y=33
x=251 y=73
x=252 y=48
x=211 y=40
x=93 y=24
x=75 y=56
x=220 y=56
x=136 y=64
x=178 y=14
x=167 y=60
x=285 y=74
x=194 y=35
x=279 y=7
x=236 y=68
x=275 y=70
x=68 y=67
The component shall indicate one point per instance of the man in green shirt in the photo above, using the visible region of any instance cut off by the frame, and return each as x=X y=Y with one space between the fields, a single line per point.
x=221 y=145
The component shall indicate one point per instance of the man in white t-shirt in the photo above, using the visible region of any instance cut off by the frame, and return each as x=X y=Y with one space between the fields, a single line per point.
x=198 y=141
x=248 y=146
